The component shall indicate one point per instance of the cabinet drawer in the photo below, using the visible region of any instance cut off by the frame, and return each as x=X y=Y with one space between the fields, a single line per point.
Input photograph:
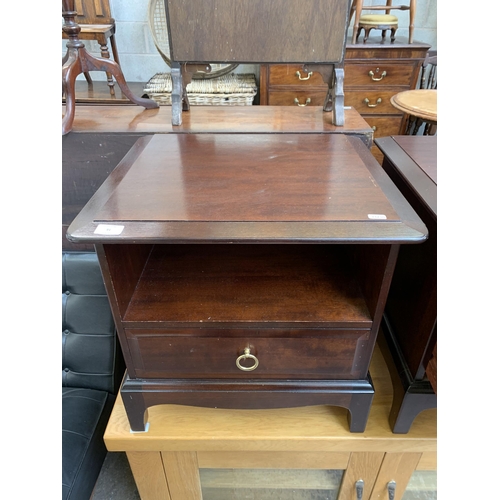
x=286 y=74
x=384 y=125
x=281 y=353
x=378 y=73
x=287 y=98
x=371 y=102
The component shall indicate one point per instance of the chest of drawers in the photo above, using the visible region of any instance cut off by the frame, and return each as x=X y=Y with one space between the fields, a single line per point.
x=374 y=72
x=247 y=270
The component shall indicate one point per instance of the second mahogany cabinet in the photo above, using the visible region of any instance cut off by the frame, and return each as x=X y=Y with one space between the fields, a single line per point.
x=374 y=72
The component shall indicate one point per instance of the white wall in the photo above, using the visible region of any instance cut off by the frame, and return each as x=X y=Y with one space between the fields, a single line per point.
x=139 y=58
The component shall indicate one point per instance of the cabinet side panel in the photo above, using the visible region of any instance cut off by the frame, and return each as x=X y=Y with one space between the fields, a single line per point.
x=125 y=264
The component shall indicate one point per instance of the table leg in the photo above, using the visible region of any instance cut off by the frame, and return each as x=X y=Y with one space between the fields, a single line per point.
x=149 y=475
x=183 y=476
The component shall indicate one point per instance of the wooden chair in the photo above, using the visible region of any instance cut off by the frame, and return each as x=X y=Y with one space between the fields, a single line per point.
x=428 y=73
x=382 y=22
x=96 y=23
x=77 y=60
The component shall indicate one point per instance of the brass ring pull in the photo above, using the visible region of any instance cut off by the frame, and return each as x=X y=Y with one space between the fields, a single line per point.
x=377 y=102
x=296 y=101
x=306 y=78
x=372 y=74
x=247 y=355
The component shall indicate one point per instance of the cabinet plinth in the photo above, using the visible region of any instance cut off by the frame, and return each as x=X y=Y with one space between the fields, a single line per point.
x=248 y=271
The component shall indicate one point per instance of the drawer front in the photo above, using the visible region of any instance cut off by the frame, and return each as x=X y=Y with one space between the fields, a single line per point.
x=286 y=74
x=378 y=73
x=304 y=98
x=281 y=354
x=384 y=126
x=371 y=102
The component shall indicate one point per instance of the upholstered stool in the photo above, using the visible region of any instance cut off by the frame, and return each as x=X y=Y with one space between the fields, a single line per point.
x=382 y=22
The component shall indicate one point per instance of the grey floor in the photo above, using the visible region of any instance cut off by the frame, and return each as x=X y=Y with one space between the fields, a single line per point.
x=115 y=480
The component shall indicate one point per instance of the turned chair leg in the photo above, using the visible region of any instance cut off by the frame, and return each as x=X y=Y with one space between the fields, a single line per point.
x=105 y=54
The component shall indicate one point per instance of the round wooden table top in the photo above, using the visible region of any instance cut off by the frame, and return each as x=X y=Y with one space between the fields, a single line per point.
x=421 y=103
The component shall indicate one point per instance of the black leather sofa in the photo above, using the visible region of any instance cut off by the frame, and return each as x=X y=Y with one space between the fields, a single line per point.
x=92 y=368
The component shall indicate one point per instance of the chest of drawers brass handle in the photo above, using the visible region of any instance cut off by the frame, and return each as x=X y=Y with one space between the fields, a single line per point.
x=247 y=355
x=377 y=102
x=306 y=78
x=372 y=74
x=296 y=101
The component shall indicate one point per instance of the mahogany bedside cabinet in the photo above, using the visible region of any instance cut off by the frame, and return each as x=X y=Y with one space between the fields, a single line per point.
x=410 y=319
x=248 y=270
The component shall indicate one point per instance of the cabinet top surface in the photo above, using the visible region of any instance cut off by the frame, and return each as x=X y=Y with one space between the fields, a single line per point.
x=415 y=159
x=242 y=184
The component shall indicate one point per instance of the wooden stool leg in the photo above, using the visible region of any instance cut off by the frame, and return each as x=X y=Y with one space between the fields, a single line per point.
x=355 y=29
x=367 y=34
x=393 y=34
x=413 y=7
x=383 y=34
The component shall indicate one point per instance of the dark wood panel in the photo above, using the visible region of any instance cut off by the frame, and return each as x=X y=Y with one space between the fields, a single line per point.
x=290 y=354
x=379 y=101
x=257 y=30
x=375 y=48
x=256 y=284
x=383 y=74
x=279 y=177
x=305 y=97
x=286 y=74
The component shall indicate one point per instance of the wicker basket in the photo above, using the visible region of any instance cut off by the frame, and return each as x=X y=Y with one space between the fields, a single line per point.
x=227 y=90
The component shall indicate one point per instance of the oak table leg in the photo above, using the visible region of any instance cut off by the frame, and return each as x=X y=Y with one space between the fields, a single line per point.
x=147 y=468
x=183 y=476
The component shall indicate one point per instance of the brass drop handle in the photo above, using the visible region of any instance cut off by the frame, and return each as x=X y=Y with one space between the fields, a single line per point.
x=247 y=355
x=296 y=101
x=377 y=102
x=372 y=74
x=374 y=128
x=359 y=489
x=391 y=489
x=297 y=74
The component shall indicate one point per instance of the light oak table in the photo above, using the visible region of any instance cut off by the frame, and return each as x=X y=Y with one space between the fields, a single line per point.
x=187 y=447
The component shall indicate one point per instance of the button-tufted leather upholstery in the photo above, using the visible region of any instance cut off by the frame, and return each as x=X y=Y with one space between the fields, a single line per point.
x=92 y=370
